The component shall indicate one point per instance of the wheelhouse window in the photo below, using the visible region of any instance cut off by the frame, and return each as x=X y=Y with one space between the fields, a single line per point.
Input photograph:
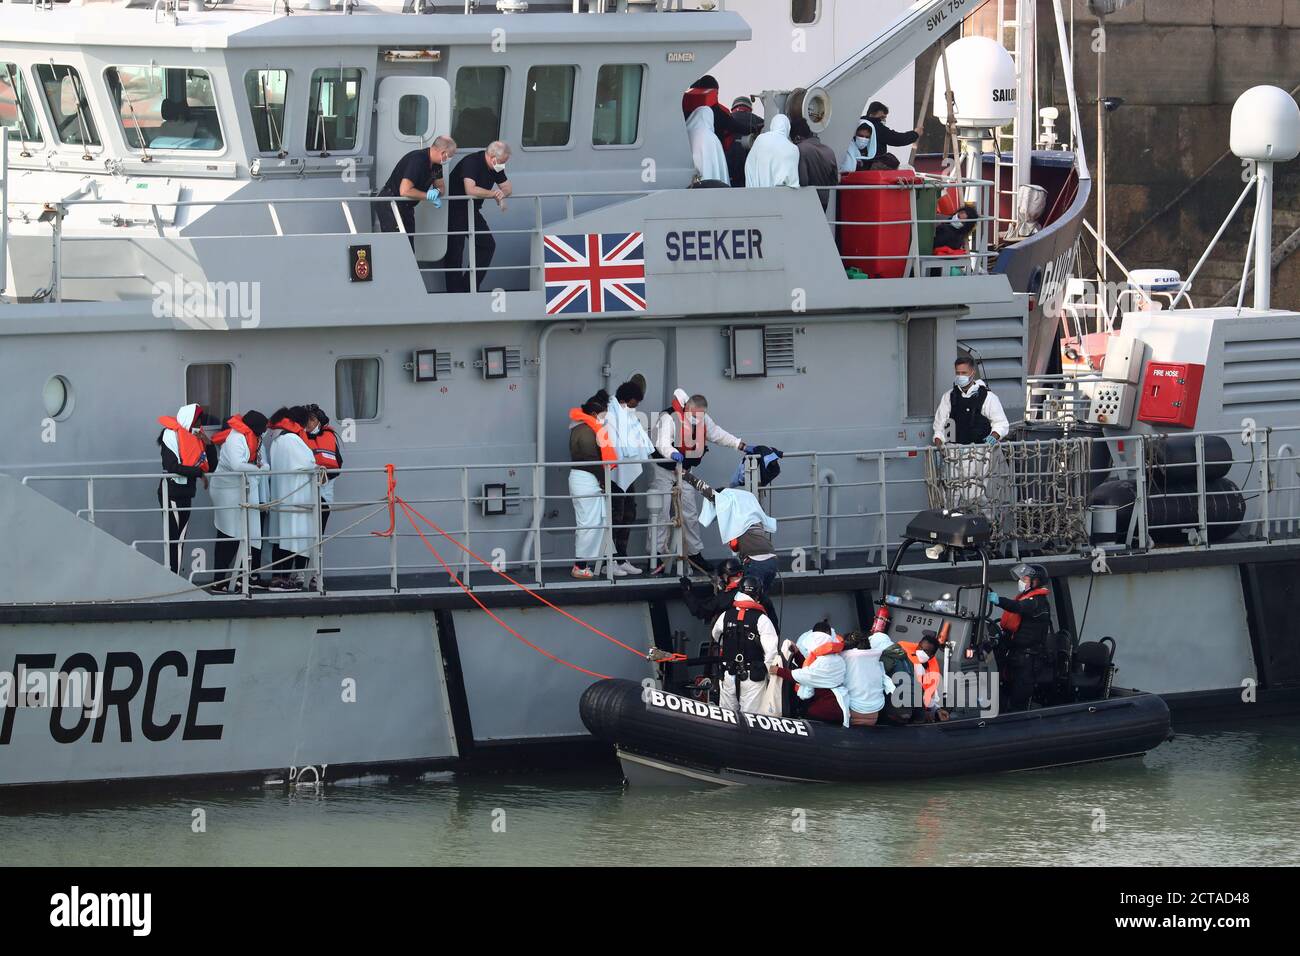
x=209 y=386
x=356 y=388
x=165 y=107
x=413 y=115
x=65 y=96
x=17 y=112
x=618 y=105
x=266 y=90
x=480 y=96
x=804 y=11
x=548 y=106
x=333 y=115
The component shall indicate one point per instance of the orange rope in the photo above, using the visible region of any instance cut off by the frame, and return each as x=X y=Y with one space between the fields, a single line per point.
x=392 y=509
x=408 y=510
x=529 y=591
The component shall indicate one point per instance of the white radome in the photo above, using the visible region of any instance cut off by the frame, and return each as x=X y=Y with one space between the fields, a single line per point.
x=1265 y=125
x=984 y=83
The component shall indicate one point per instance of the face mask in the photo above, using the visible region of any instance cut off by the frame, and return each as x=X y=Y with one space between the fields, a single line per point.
x=962 y=381
x=499 y=167
x=862 y=142
x=1024 y=586
x=922 y=656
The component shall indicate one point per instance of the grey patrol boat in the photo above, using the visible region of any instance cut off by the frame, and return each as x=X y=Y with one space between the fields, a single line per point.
x=187 y=207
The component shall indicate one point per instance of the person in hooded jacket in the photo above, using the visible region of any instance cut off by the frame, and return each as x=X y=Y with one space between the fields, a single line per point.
x=294 y=498
x=818 y=672
x=187 y=457
x=884 y=137
x=774 y=159
x=707 y=154
x=236 y=494
x=323 y=441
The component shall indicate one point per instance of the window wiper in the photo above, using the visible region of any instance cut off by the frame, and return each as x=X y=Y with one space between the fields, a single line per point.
x=23 y=132
x=277 y=141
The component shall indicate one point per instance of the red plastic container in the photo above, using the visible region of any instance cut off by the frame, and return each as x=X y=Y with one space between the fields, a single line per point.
x=876 y=222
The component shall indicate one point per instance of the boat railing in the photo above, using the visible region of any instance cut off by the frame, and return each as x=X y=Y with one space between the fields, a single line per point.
x=837 y=511
x=355 y=217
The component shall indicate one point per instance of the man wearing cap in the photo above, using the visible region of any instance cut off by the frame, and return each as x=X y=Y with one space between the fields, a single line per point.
x=681 y=437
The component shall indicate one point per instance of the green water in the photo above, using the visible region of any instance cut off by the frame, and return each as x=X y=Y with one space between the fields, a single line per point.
x=1227 y=796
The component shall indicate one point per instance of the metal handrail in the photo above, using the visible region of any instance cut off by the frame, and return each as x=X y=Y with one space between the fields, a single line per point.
x=864 y=515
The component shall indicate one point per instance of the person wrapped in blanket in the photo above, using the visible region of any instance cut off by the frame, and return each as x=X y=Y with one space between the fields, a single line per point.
x=744 y=526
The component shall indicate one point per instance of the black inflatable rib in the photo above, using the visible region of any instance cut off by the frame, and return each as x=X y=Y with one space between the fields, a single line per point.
x=696 y=737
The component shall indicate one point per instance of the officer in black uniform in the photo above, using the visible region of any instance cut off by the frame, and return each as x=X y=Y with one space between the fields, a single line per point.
x=749 y=642
x=1025 y=623
x=417 y=177
x=970 y=413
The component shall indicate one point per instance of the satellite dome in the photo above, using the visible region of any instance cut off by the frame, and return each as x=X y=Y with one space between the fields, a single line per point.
x=1265 y=125
x=984 y=83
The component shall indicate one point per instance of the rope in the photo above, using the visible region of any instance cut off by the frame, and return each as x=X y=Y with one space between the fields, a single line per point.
x=408 y=511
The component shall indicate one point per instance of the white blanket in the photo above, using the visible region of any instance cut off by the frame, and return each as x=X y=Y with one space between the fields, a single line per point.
x=629 y=438
x=737 y=511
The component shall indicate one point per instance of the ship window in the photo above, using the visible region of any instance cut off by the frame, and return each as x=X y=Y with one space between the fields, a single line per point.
x=922 y=335
x=356 y=388
x=267 y=93
x=804 y=11
x=16 y=110
x=548 y=106
x=66 y=97
x=413 y=115
x=57 y=396
x=165 y=107
x=480 y=94
x=618 y=105
x=209 y=386
x=332 y=113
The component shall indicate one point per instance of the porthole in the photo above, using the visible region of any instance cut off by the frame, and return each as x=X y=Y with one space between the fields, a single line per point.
x=58 y=398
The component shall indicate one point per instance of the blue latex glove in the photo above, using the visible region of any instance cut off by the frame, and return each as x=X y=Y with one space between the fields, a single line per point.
x=990 y=440
x=993 y=598
x=677 y=457
x=434 y=197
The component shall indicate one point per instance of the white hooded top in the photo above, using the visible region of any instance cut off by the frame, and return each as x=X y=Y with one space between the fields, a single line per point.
x=706 y=149
x=185 y=417
x=774 y=160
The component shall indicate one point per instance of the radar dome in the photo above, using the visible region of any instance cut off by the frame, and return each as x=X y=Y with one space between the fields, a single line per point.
x=1265 y=125
x=983 y=80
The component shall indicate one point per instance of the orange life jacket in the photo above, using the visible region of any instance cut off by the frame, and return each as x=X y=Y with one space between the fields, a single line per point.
x=834 y=645
x=1010 y=620
x=608 y=453
x=236 y=424
x=325 y=447
x=289 y=425
x=929 y=672
x=191 y=448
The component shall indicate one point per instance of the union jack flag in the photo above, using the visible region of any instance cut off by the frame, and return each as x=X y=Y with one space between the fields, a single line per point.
x=595 y=272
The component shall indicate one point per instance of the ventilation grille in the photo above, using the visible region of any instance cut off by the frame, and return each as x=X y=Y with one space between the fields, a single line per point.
x=778 y=350
x=514 y=361
x=442 y=361
x=1261 y=376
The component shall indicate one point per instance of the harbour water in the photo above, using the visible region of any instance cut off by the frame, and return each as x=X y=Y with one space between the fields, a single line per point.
x=1223 y=796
